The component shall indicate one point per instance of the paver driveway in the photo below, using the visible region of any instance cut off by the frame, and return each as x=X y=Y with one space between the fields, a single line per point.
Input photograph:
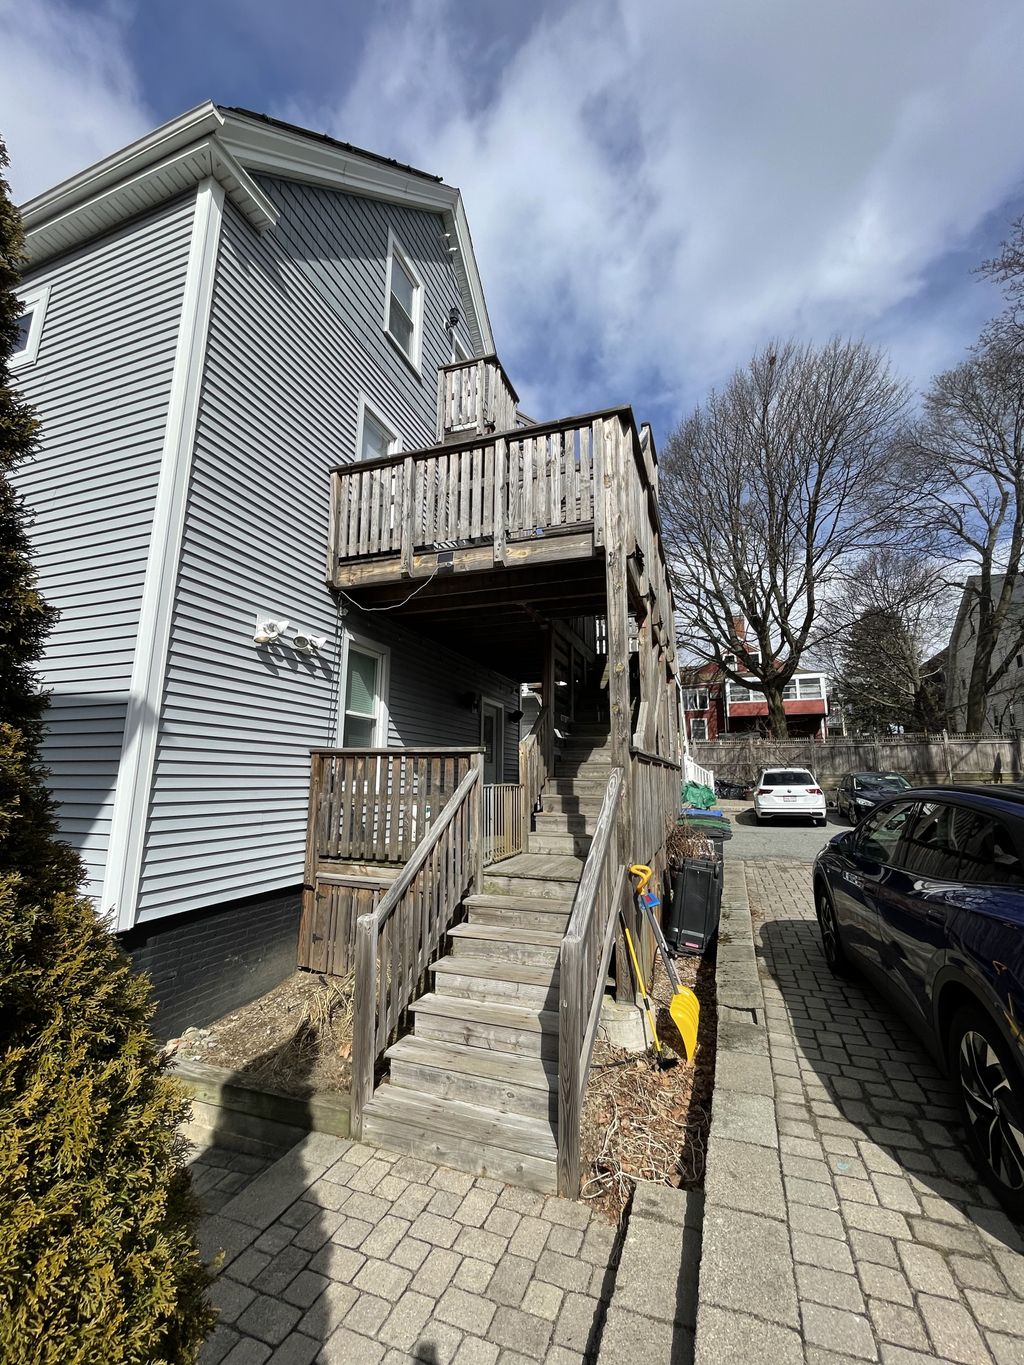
x=345 y=1253
x=899 y=1253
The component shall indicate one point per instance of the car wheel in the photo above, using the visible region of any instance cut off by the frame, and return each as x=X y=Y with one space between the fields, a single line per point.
x=990 y=1089
x=831 y=941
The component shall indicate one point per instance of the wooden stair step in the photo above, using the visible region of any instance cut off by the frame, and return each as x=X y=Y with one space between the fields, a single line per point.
x=475 y=1075
x=476 y=1061
x=486 y=978
x=560 y=841
x=522 y=1030
x=469 y=1137
x=546 y=905
x=506 y=943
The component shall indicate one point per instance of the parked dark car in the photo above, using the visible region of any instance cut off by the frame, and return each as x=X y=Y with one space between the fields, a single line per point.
x=858 y=793
x=927 y=896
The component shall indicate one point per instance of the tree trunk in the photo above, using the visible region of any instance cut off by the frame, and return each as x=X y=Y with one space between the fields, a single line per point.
x=776 y=713
x=977 y=687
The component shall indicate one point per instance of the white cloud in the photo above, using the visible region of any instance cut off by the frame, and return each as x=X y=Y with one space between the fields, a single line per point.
x=68 y=90
x=655 y=188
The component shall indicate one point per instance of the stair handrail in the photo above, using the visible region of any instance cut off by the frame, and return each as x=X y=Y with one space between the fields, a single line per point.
x=536 y=761
x=450 y=858
x=583 y=969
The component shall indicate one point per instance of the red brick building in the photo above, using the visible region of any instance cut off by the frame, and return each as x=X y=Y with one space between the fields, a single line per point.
x=714 y=706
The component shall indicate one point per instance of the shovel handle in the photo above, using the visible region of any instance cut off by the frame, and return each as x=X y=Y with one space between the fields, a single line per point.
x=643 y=874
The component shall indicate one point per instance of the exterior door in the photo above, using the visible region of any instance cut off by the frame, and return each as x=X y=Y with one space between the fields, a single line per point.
x=492 y=735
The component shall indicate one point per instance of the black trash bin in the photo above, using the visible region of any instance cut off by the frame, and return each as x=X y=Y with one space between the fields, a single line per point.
x=692 y=919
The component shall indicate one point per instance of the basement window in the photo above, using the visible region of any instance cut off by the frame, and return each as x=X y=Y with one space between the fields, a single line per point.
x=30 y=326
x=403 y=305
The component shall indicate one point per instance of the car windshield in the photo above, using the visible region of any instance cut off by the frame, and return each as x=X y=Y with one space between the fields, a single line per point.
x=880 y=782
x=787 y=777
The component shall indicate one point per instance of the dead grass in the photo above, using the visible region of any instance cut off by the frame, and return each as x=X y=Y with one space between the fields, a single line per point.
x=641 y=1124
x=296 y=1039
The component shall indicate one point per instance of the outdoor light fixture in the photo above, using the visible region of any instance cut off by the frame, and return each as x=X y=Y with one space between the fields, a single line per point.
x=267 y=631
x=308 y=644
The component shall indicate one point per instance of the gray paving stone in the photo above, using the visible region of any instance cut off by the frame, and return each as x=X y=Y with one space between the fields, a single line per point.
x=899 y=1324
x=823 y=1251
x=296 y=1349
x=746 y=1118
x=306 y=1288
x=530 y=1237
x=337 y=1262
x=926 y=1270
x=268 y=1319
x=952 y=1331
x=830 y=1287
x=406 y=1321
x=520 y=1331
x=274 y=1190
x=248 y=1351
x=502 y=1221
x=474 y=1276
x=230 y=1298
x=468 y=1311
x=744 y=1176
x=367 y=1314
x=971 y=1273
x=476 y=1351
x=996 y=1312
x=577 y=1323
x=345 y=1347
x=744 y=1072
x=383 y=1278
x=436 y=1273
x=1006 y=1350
x=410 y=1253
x=723 y=1338
x=882 y=1282
x=439 y=1232
x=746 y=1266
x=542 y=1300
x=511 y=1276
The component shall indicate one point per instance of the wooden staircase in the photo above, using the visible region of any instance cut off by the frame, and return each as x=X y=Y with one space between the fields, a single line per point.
x=475 y=1086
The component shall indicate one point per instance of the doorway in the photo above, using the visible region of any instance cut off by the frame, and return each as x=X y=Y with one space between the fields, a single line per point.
x=492 y=737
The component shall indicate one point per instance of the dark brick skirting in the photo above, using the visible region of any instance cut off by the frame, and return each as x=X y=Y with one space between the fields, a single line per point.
x=207 y=962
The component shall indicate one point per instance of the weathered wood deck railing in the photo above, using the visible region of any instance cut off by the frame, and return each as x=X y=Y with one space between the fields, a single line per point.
x=366 y=806
x=474 y=395
x=505 y=487
x=503 y=821
x=583 y=970
x=398 y=940
x=536 y=762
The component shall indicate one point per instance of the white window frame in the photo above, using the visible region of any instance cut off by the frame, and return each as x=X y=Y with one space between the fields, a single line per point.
x=701 y=721
x=34 y=301
x=460 y=351
x=366 y=406
x=395 y=248
x=807 y=682
x=382 y=719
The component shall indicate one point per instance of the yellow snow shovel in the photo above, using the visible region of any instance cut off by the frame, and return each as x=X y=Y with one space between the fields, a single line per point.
x=684 y=1007
x=661 y=1058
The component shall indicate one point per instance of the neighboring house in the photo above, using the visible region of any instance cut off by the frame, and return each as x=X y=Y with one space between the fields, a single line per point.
x=715 y=707
x=1004 y=709
x=250 y=345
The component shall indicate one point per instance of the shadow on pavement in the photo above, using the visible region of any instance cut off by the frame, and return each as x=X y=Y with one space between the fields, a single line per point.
x=864 y=1075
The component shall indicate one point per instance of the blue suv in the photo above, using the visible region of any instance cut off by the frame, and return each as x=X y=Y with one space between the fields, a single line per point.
x=927 y=896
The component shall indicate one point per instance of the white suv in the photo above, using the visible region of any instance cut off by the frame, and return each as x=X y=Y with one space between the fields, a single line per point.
x=789 y=791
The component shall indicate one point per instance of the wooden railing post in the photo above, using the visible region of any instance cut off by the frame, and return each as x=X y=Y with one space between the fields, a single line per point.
x=569 y=1047
x=500 y=519
x=364 y=1018
x=476 y=827
x=406 y=511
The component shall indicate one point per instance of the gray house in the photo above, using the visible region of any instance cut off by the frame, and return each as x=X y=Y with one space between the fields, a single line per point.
x=215 y=317
x=308 y=553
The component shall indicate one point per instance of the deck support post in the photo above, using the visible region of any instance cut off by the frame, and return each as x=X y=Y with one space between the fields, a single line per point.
x=616 y=540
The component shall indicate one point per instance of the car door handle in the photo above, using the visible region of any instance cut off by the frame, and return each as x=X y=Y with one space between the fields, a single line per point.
x=935 y=916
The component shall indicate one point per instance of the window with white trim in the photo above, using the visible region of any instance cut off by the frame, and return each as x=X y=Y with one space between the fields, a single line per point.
x=403 y=304
x=695 y=699
x=375 y=437
x=698 y=728
x=30 y=325
x=364 y=700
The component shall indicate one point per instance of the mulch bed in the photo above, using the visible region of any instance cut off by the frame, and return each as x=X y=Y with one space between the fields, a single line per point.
x=296 y=1039
x=641 y=1124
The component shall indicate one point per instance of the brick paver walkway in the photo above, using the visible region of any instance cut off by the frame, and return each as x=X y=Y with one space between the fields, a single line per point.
x=900 y=1255
x=346 y=1253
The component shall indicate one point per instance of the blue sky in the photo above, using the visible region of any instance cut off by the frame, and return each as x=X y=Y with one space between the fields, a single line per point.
x=655 y=188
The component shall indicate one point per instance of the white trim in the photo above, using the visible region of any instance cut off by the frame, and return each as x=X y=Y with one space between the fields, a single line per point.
x=138 y=757
x=382 y=720
x=460 y=351
x=395 y=248
x=33 y=301
x=364 y=406
x=496 y=705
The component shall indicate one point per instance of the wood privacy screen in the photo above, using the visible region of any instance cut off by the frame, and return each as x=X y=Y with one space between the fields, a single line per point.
x=365 y=807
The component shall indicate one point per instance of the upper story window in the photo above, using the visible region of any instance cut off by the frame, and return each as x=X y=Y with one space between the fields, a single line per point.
x=809 y=687
x=375 y=437
x=696 y=699
x=30 y=325
x=403 y=305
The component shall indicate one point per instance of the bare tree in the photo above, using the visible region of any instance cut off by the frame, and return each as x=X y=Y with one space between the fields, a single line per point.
x=769 y=490
x=885 y=620
x=968 y=450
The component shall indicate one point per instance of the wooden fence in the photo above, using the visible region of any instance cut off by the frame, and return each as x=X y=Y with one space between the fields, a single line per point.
x=397 y=941
x=474 y=395
x=370 y=808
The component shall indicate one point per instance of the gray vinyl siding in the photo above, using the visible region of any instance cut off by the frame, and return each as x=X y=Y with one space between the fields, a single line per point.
x=295 y=334
x=100 y=386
